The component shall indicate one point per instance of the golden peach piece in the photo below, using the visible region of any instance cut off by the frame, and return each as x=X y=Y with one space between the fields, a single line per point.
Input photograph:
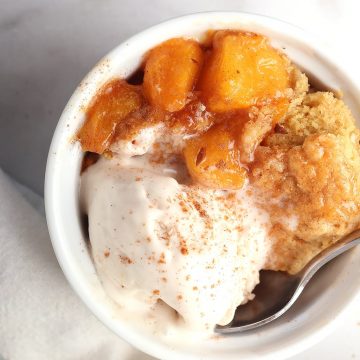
x=242 y=70
x=171 y=71
x=213 y=160
x=114 y=102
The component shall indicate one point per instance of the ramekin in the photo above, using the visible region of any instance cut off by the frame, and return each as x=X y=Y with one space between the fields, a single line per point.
x=319 y=308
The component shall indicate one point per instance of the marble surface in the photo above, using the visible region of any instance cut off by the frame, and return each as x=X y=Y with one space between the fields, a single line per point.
x=46 y=48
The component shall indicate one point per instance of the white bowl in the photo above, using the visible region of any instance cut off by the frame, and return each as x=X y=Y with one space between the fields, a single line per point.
x=315 y=313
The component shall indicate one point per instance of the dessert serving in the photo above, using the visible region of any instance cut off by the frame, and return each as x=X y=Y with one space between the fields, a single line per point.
x=214 y=161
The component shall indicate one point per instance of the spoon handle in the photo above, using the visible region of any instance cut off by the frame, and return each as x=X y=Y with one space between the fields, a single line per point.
x=344 y=244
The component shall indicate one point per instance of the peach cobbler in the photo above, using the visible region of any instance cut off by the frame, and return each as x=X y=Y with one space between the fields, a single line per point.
x=213 y=162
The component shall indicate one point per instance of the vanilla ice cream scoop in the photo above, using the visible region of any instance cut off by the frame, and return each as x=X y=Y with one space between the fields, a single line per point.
x=199 y=251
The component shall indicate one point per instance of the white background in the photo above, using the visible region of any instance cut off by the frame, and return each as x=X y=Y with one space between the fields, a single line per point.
x=46 y=47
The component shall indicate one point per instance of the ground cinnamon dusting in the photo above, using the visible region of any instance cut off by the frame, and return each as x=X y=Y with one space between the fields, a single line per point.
x=125 y=259
x=199 y=208
x=162 y=259
x=184 y=250
x=183 y=246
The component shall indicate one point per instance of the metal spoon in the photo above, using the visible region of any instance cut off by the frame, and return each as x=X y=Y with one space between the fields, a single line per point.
x=277 y=290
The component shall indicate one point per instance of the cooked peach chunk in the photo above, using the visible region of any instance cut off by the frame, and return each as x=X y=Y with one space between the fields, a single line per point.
x=171 y=71
x=213 y=160
x=114 y=102
x=242 y=70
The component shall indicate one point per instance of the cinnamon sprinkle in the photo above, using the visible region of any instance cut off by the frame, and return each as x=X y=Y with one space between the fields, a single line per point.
x=125 y=259
x=162 y=259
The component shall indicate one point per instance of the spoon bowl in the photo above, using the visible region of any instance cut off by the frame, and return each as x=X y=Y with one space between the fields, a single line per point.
x=277 y=291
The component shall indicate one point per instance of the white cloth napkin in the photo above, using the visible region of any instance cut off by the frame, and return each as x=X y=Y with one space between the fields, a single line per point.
x=40 y=315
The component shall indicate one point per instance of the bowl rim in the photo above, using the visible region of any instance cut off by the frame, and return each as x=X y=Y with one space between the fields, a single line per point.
x=147 y=345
